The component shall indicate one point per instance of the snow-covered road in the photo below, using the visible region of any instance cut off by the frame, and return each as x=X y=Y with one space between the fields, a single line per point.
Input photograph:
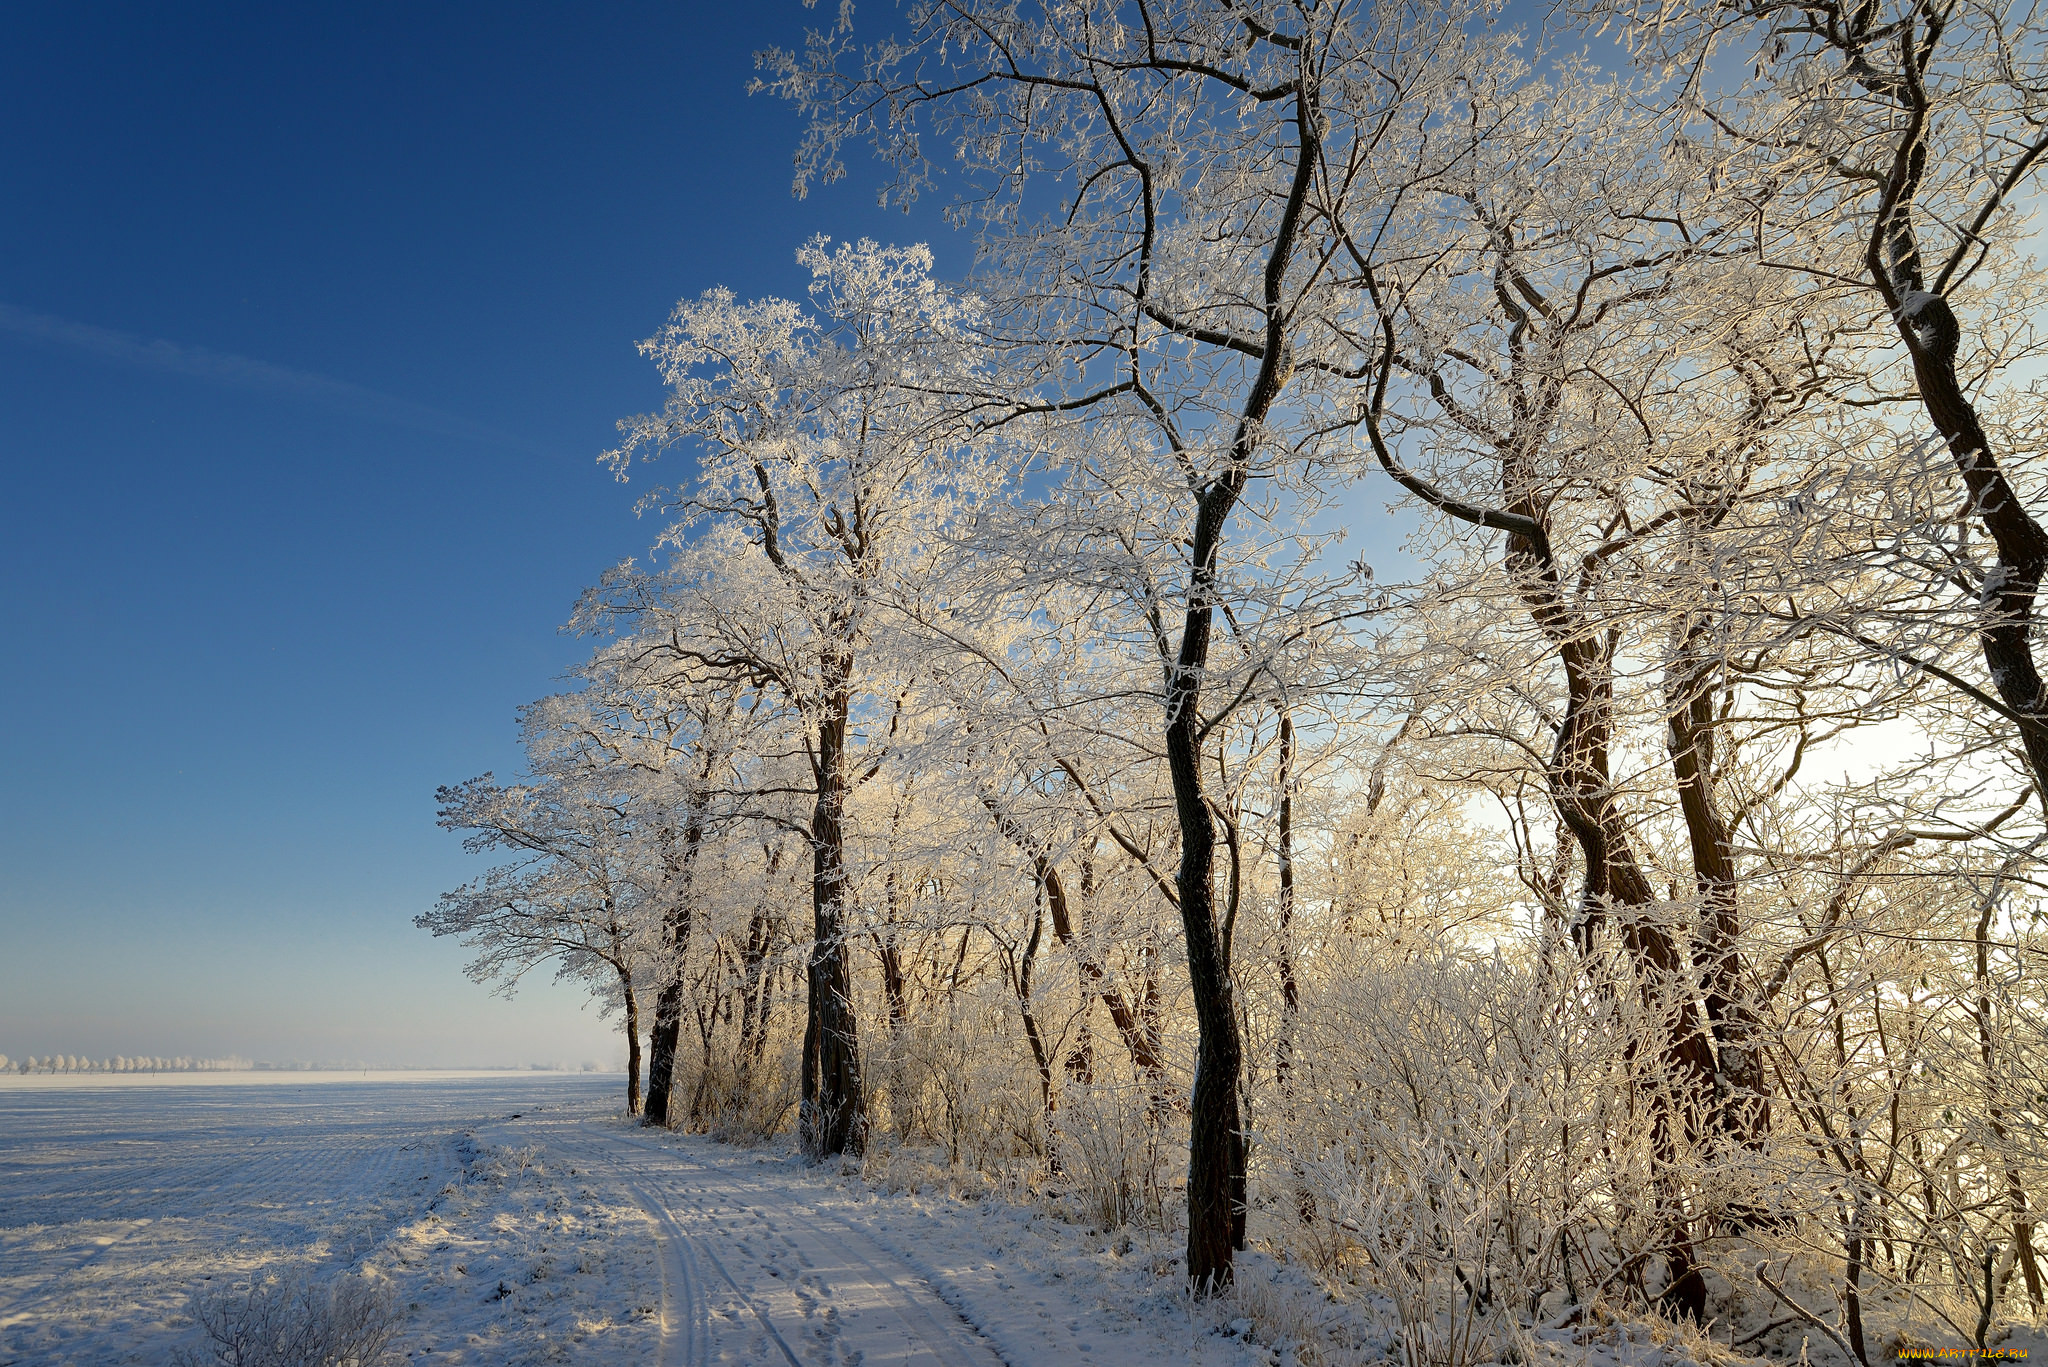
x=752 y=1271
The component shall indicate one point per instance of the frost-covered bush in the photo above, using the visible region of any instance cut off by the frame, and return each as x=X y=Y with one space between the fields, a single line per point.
x=957 y=1080
x=1118 y=1155
x=743 y=1101
x=291 y=1320
x=1463 y=1134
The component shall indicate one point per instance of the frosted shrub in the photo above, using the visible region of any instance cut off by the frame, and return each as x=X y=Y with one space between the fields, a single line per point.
x=1117 y=1156
x=1460 y=1134
x=958 y=1081
x=293 y=1321
x=736 y=1106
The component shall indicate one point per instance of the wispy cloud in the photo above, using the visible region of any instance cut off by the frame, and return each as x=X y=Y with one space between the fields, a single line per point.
x=246 y=372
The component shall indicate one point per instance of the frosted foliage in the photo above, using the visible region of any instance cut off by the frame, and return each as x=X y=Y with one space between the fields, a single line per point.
x=1612 y=920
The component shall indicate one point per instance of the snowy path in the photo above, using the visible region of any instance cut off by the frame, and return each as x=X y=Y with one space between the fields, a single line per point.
x=785 y=1281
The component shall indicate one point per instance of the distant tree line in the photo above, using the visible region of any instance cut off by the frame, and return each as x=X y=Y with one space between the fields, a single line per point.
x=78 y=1063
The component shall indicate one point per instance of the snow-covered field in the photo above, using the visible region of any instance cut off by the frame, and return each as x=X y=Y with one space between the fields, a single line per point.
x=520 y=1219
x=116 y=1203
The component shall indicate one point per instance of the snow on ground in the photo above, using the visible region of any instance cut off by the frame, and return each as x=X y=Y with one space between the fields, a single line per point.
x=521 y=1219
x=116 y=1204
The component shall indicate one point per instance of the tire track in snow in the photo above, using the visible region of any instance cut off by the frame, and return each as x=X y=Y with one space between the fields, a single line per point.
x=685 y=1336
x=860 y=1303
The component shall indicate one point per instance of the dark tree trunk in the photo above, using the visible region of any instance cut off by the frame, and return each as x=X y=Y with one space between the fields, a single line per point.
x=833 y=1119
x=1216 y=1161
x=661 y=1050
x=895 y=987
x=764 y=1017
x=1216 y=1166
x=1742 y=1109
x=632 y=1042
x=1034 y=1034
x=1216 y=1157
x=1216 y=1171
x=668 y=1004
x=701 y=1094
x=1290 y=987
x=756 y=980
x=1933 y=337
x=753 y=1017
x=1080 y=1059
x=1142 y=1043
x=1582 y=788
x=2010 y=589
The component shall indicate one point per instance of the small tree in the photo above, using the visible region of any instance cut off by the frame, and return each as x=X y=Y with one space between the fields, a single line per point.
x=568 y=897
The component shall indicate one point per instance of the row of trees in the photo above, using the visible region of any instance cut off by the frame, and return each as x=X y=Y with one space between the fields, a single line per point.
x=1638 y=888
x=78 y=1063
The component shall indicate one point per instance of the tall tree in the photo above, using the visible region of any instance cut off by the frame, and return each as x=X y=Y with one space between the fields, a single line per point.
x=831 y=452
x=1889 y=149
x=1210 y=157
x=570 y=894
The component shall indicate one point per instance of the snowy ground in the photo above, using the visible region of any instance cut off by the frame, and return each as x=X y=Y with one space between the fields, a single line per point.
x=116 y=1203
x=519 y=1219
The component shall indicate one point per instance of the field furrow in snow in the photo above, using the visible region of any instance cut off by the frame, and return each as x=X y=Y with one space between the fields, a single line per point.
x=117 y=1204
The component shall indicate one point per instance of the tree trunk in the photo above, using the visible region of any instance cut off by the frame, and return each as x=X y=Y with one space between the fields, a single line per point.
x=1216 y=1163
x=1142 y=1043
x=833 y=1119
x=668 y=1005
x=1582 y=788
x=1290 y=987
x=1933 y=338
x=632 y=1041
x=1034 y=1034
x=895 y=986
x=757 y=980
x=661 y=1051
x=700 y=1095
x=1742 y=1102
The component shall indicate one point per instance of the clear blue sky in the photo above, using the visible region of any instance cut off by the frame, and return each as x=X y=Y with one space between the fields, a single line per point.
x=312 y=322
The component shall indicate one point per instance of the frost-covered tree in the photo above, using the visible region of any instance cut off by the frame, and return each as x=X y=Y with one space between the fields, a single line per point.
x=831 y=450
x=570 y=893
x=1890 y=153
x=1180 y=198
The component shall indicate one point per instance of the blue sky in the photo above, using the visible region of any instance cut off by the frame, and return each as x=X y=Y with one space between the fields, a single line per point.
x=312 y=323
